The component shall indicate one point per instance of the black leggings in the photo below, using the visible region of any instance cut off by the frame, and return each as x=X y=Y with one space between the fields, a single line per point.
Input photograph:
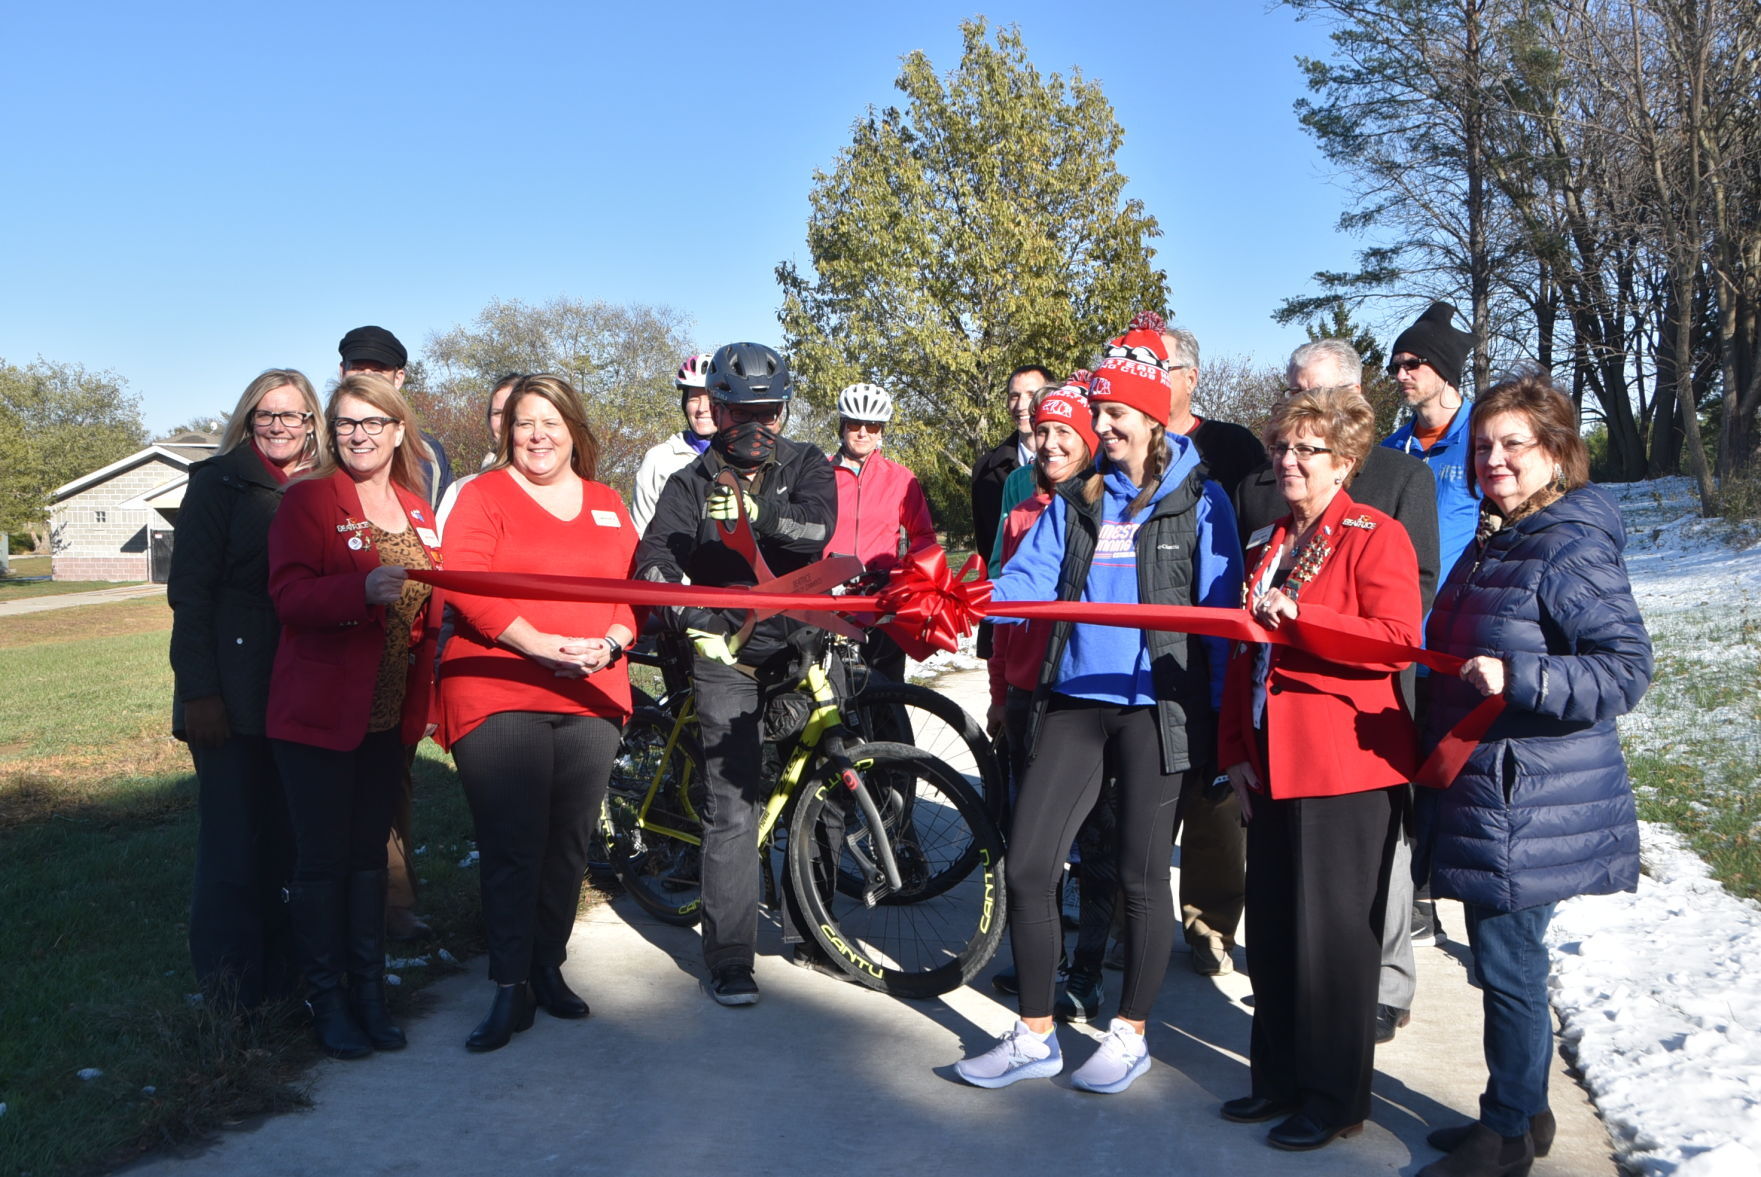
x=1060 y=788
x=535 y=781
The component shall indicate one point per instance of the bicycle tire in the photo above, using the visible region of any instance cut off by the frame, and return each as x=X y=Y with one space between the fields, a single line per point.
x=912 y=943
x=617 y=816
x=658 y=856
x=935 y=724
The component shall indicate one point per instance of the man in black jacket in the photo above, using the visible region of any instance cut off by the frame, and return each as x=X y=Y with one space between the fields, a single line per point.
x=790 y=497
x=1401 y=486
x=993 y=467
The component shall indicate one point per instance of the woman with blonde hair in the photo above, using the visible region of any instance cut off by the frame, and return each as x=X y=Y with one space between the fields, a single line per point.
x=223 y=638
x=350 y=690
x=533 y=695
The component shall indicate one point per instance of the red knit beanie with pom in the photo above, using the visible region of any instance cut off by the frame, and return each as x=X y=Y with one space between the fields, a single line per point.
x=1069 y=405
x=1134 y=369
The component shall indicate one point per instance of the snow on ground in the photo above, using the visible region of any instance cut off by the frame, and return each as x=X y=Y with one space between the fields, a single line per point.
x=1657 y=991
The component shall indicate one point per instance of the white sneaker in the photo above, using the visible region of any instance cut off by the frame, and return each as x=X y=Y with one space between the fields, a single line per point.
x=1019 y=1054
x=1123 y=1056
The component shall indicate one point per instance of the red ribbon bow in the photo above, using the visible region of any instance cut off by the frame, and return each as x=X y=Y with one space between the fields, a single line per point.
x=930 y=605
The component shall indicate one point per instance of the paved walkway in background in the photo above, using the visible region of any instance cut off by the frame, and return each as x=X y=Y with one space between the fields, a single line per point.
x=824 y=1076
x=127 y=592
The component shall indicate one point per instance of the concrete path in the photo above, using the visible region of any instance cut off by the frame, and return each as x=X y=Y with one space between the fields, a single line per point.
x=825 y=1076
x=127 y=592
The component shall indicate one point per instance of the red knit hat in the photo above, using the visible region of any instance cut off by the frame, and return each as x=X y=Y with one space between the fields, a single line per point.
x=1069 y=406
x=1134 y=370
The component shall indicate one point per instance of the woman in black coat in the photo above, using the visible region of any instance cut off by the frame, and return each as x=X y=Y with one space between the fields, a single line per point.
x=223 y=637
x=1541 y=608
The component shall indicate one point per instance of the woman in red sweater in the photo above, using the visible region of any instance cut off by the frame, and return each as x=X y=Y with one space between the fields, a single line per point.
x=349 y=691
x=533 y=694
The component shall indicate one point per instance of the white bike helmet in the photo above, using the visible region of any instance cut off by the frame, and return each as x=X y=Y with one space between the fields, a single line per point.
x=865 y=402
x=693 y=373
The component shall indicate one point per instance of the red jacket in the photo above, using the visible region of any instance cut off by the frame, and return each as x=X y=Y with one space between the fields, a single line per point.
x=1018 y=651
x=872 y=506
x=321 y=690
x=1332 y=729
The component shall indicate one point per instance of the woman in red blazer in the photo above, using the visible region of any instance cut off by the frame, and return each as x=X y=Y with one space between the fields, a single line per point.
x=351 y=686
x=1319 y=755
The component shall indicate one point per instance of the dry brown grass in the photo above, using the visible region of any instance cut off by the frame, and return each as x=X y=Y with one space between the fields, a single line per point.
x=116 y=619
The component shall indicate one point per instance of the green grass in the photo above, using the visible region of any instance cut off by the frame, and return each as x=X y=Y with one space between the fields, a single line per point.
x=29 y=566
x=13 y=589
x=97 y=829
x=1693 y=758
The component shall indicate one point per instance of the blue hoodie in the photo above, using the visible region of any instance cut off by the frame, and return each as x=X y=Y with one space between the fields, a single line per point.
x=1109 y=663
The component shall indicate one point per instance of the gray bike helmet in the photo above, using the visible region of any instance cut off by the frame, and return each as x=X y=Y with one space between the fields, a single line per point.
x=748 y=373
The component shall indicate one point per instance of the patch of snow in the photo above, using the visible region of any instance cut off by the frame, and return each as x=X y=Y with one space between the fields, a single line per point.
x=1655 y=990
x=90 y=1073
x=393 y=979
x=448 y=957
x=149 y=1090
x=406 y=962
x=468 y=860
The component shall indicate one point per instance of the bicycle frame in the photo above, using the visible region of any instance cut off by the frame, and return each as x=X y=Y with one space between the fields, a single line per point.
x=822 y=737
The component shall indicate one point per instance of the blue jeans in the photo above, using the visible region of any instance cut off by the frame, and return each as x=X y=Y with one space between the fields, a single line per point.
x=1510 y=964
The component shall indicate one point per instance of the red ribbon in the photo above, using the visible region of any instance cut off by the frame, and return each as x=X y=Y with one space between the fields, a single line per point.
x=926 y=607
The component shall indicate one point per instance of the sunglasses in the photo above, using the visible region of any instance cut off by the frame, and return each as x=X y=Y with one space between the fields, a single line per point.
x=1399 y=366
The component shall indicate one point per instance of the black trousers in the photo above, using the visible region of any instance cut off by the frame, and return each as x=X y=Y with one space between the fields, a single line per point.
x=535 y=781
x=1317 y=888
x=341 y=804
x=239 y=937
x=1078 y=741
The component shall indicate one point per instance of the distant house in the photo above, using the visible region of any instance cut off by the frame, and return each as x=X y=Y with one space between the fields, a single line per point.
x=115 y=523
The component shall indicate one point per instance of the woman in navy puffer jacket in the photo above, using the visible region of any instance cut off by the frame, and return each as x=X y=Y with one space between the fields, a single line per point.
x=1541 y=607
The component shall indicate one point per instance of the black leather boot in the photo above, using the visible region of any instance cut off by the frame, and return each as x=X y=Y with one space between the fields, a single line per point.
x=512 y=1011
x=553 y=993
x=318 y=922
x=366 y=949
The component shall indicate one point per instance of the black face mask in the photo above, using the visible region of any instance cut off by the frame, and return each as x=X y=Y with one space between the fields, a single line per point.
x=747 y=444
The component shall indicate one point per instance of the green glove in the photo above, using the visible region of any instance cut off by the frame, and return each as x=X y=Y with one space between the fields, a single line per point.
x=712 y=646
x=721 y=506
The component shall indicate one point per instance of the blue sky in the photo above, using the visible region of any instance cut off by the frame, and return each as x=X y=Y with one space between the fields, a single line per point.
x=200 y=191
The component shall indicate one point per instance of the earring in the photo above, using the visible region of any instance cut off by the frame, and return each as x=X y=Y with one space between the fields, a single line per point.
x=1558 y=475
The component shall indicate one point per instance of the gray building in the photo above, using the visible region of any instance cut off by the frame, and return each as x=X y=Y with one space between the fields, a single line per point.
x=115 y=523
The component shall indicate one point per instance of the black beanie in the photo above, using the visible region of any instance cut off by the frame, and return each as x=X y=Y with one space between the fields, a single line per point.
x=1433 y=340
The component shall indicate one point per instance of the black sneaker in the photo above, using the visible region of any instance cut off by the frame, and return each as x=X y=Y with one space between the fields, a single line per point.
x=1423 y=928
x=1388 y=1020
x=733 y=985
x=1081 y=999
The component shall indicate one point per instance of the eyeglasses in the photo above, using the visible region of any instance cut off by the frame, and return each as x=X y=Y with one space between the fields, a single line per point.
x=1303 y=452
x=764 y=414
x=371 y=426
x=865 y=426
x=263 y=419
x=1513 y=447
x=1396 y=367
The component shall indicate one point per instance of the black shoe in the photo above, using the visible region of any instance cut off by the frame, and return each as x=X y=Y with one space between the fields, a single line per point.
x=1484 y=1153
x=1254 y=1109
x=1081 y=999
x=512 y=1011
x=553 y=994
x=367 y=1003
x=1007 y=982
x=1542 y=1128
x=334 y=1027
x=1388 y=1020
x=809 y=955
x=1423 y=927
x=733 y=985
x=366 y=956
x=1303 y=1133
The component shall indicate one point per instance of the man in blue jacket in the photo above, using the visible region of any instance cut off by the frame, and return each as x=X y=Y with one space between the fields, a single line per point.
x=1426 y=361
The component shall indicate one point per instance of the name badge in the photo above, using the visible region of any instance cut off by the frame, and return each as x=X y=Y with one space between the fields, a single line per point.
x=427 y=536
x=1261 y=536
x=606 y=518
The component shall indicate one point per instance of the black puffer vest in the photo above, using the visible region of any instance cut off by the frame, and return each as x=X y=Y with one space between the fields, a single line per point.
x=1165 y=546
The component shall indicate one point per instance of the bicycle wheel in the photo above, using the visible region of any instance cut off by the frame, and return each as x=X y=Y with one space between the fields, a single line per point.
x=918 y=941
x=617 y=817
x=929 y=720
x=655 y=802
